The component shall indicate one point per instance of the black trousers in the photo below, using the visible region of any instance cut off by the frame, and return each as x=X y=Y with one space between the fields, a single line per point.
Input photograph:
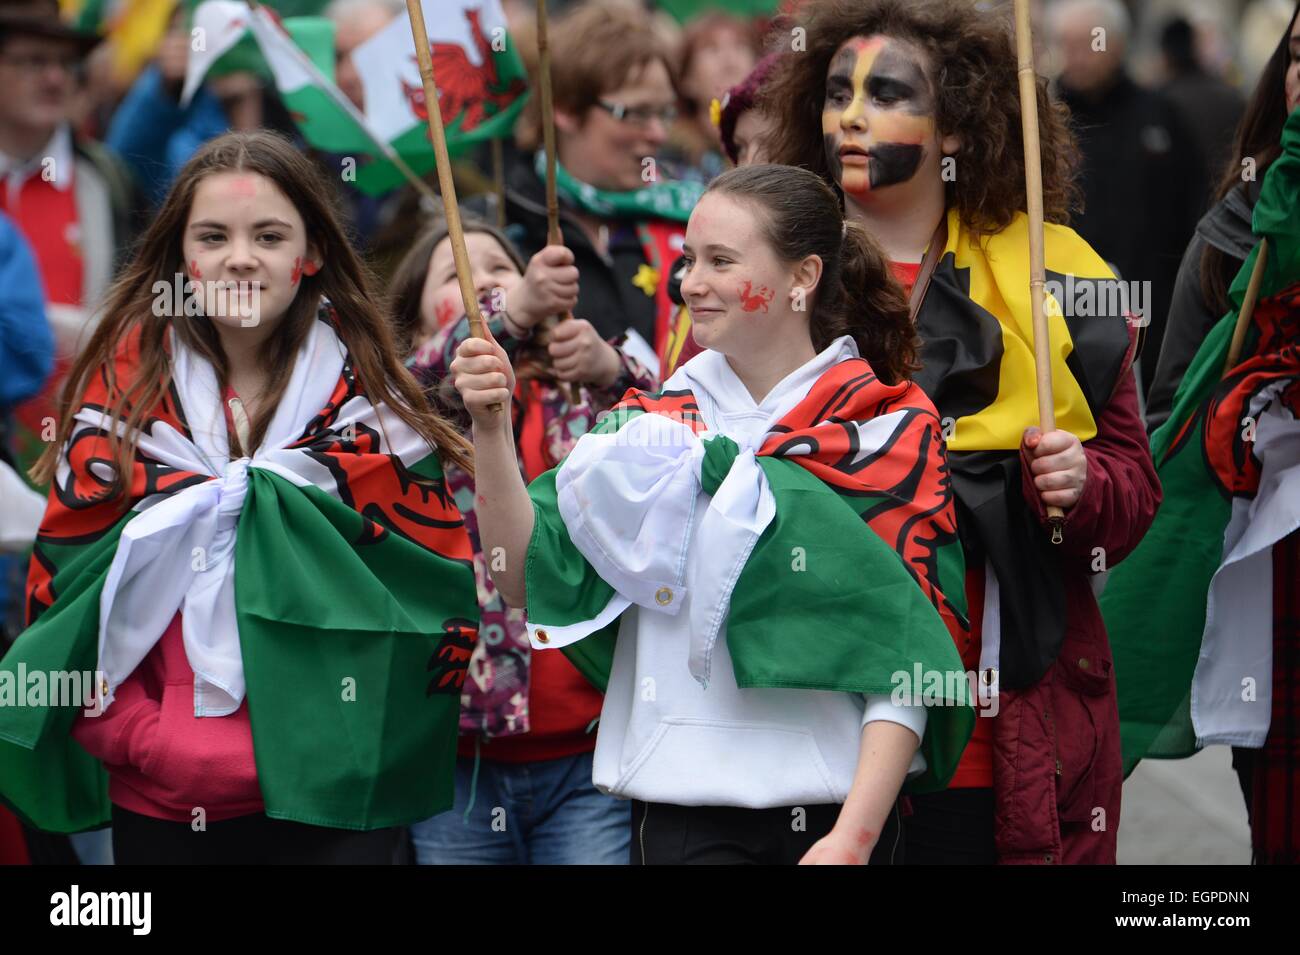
x=664 y=834
x=247 y=840
x=953 y=827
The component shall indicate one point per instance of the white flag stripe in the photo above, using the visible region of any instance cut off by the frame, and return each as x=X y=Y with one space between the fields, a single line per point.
x=1237 y=644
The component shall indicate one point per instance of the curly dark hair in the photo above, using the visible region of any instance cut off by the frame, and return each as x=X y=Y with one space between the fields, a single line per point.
x=977 y=96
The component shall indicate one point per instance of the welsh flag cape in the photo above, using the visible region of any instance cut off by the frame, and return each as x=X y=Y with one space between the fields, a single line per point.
x=1190 y=611
x=857 y=576
x=353 y=598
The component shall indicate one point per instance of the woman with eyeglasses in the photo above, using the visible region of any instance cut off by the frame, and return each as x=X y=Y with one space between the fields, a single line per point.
x=620 y=214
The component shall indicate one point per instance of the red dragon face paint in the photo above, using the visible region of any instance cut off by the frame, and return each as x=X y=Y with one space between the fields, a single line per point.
x=752 y=300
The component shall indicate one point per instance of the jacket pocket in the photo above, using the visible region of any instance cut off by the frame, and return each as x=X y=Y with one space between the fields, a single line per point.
x=1083 y=700
x=201 y=761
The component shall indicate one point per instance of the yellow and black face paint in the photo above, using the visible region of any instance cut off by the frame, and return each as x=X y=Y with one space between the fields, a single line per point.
x=878 y=116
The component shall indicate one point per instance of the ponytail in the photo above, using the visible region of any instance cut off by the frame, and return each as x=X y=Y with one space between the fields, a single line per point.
x=867 y=303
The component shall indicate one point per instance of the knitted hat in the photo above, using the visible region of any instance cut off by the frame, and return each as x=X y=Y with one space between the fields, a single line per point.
x=740 y=98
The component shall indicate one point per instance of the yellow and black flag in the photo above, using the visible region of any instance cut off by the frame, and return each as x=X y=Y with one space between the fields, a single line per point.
x=978 y=368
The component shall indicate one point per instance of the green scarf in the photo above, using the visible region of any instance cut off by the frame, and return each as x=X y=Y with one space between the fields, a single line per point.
x=662 y=200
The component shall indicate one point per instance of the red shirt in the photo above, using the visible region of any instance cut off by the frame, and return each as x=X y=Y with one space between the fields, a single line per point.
x=562 y=706
x=905 y=273
x=975 y=768
x=47 y=216
x=162 y=760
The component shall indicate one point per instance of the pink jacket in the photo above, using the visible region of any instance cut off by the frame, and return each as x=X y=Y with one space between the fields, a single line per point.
x=162 y=760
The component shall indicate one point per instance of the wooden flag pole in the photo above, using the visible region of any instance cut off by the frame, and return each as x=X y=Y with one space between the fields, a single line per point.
x=1247 y=309
x=553 y=235
x=1034 y=196
x=420 y=34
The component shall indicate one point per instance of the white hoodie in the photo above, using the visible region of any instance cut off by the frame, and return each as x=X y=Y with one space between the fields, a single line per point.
x=663 y=736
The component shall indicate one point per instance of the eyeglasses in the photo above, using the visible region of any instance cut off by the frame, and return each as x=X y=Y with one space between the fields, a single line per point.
x=39 y=62
x=639 y=115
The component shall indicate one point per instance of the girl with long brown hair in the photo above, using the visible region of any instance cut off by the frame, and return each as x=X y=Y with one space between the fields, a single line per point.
x=526 y=718
x=749 y=560
x=910 y=110
x=248 y=533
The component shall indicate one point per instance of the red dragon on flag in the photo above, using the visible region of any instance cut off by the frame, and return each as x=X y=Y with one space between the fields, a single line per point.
x=466 y=92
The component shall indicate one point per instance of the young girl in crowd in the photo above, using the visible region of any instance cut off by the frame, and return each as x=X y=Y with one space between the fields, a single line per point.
x=754 y=559
x=526 y=719
x=249 y=541
x=911 y=110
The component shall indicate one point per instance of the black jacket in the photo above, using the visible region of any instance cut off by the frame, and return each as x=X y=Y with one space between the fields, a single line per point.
x=607 y=296
x=1225 y=227
x=1144 y=185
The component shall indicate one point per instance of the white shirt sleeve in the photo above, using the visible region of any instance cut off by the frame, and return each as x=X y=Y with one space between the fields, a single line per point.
x=881 y=707
x=21 y=510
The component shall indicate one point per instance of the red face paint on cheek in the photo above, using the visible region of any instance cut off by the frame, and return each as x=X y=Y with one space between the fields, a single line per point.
x=194 y=269
x=445 y=312
x=755 y=300
x=296 y=275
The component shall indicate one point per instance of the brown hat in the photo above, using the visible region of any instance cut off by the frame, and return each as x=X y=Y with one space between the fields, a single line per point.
x=41 y=18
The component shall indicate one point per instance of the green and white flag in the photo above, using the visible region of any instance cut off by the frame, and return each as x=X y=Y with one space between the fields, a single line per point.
x=326 y=582
x=830 y=550
x=1190 y=612
x=480 y=76
x=328 y=119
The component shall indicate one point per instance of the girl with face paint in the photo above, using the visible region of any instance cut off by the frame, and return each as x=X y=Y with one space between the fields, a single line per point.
x=252 y=488
x=523 y=715
x=739 y=685
x=911 y=110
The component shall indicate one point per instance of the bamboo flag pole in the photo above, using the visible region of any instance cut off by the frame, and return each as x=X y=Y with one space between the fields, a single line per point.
x=439 y=136
x=1034 y=195
x=451 y=208
x=553 y=235
x=1247 y=309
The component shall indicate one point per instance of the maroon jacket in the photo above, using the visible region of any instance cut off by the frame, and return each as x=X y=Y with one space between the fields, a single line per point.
x=1057 y=772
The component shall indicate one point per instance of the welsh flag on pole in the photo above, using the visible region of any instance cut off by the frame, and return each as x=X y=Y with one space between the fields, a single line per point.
x=326 y=118
x=480 y=78
x=1190 y=613
x=481 y=82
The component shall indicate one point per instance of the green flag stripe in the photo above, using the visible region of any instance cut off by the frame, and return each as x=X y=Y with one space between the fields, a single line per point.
x=823 y=603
